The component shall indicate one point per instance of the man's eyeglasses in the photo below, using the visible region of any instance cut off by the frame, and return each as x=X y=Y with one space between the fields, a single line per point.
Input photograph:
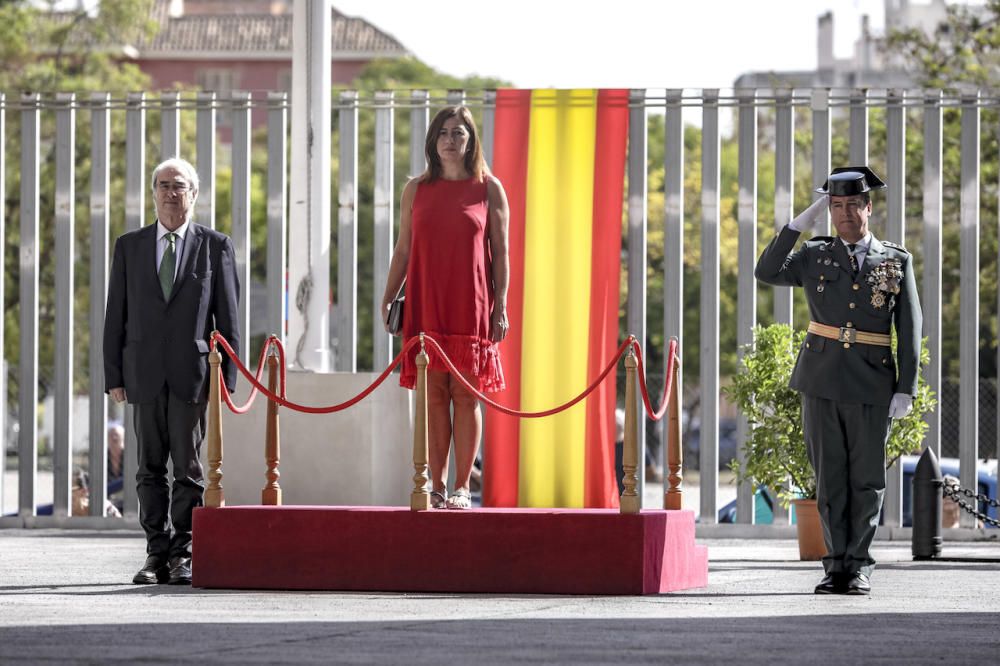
x=179 y=188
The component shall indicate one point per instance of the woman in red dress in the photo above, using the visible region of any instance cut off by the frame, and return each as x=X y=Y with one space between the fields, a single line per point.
x=452 y=250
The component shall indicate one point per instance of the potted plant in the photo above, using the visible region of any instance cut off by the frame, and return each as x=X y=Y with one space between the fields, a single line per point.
x=775 y=452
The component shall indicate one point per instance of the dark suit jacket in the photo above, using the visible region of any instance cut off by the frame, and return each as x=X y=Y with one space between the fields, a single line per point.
x=150 y=341
x=826 y=369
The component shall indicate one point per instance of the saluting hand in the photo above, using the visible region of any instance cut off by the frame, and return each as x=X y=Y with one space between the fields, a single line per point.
x=808 y=218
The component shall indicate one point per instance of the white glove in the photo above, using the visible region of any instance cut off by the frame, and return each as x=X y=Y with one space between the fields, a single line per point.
x=900 y=405
x=807 y=218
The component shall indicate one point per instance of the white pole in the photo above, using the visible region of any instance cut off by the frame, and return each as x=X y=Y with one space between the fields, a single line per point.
x=309 y=210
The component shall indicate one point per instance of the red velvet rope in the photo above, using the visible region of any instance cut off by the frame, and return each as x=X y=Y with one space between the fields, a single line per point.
x=513 y=412
x=260 y=371
x=257 y=386
x=667 y=381
x=436 y=347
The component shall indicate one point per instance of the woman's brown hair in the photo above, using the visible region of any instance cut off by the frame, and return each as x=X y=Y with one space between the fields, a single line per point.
x=474 y=162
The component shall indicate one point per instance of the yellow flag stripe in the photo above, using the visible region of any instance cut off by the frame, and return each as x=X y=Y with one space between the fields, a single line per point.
x=557 y=265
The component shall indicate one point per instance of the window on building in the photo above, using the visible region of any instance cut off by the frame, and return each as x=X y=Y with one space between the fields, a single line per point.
x=222 y=82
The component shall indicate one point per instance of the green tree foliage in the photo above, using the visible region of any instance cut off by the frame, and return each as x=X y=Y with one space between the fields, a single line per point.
x=961 y=55
x=963 y=49
x=400 y=75
x=728 y=249
x=49 y=53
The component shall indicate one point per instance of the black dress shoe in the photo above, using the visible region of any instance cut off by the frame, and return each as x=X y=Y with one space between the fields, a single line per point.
x=832 y=583
x=152 y=572
x=180 y=571
x=859 y=584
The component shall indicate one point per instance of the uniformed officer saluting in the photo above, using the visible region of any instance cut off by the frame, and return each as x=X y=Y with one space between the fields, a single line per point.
x=857 y=288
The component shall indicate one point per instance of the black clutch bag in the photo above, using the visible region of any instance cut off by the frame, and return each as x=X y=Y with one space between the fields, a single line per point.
x=396 y=315
x=395 y=321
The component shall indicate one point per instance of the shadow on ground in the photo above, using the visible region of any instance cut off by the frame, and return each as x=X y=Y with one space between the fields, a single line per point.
x=827 y=639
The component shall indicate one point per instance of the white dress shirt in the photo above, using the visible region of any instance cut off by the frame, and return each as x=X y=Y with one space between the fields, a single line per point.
x=860 y=249
x=162 y=244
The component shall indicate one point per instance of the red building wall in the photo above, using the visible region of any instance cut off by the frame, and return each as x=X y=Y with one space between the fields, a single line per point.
x=255 y=76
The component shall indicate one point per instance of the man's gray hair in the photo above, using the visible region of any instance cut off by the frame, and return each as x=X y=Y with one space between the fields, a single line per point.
x=182 y=165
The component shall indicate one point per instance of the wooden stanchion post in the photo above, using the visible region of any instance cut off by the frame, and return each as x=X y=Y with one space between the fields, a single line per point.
x=271 y=494
x=630 y=447
x=420 y=499
x=214 y=495
x=672 y=497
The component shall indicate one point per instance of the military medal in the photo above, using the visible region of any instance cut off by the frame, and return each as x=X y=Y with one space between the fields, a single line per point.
x=884 y=280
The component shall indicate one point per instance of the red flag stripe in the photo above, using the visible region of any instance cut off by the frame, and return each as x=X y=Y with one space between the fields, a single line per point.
x=600 y=487
x=510 y=165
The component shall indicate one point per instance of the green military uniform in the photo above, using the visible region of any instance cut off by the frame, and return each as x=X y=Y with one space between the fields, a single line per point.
x=847 y=385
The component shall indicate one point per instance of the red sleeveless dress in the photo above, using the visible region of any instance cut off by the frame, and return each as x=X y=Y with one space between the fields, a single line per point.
x=449 y=281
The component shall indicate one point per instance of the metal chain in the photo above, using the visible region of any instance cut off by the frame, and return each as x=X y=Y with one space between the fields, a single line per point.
x=955 y=492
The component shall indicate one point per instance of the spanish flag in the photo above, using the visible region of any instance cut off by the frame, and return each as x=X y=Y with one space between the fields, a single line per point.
x=560 y=155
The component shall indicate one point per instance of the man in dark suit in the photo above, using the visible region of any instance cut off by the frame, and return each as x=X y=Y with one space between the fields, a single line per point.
x=858 y=288
x=172 y=283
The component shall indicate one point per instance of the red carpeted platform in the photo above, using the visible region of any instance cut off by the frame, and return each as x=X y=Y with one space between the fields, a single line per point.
x=533 y=551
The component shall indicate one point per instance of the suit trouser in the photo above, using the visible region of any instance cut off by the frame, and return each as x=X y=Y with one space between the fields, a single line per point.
x=846 y=446
x=174 y=429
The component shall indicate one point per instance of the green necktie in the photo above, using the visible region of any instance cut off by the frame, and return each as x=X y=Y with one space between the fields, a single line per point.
x=167 y=265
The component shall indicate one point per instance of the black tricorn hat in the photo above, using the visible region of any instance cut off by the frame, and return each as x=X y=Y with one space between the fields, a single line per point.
x=848 y=181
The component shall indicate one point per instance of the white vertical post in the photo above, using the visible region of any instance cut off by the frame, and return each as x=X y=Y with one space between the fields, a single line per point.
x=241 y=212
x=895 y=231
x=100 y=186
x=858 y=149
x=135 y=215
x=205 y=146
x=820 y=106
x=784 y=210
x=65 y=202
x=383 y=219
x=968 y=434
x=170 y=125
x=930 y=300
x=637 y=224
x=347 y=235
x=419 y=120
x=746 y=288
x=28 y=361
x=710 y=220
x=489 y=124
x=277 y=217
x=784 y=188
x=673 y=234
x=309 y=214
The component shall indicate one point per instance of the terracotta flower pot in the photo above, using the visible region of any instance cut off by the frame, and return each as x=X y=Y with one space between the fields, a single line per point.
x=809 y=529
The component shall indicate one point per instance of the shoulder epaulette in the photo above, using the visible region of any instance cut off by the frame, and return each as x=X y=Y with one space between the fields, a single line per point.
x=895 y=246
x=821 y=239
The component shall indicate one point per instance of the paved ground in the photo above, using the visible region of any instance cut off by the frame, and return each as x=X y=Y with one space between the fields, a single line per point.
x=65 y=597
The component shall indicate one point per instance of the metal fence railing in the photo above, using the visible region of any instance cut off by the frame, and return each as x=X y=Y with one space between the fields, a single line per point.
x=63 y=155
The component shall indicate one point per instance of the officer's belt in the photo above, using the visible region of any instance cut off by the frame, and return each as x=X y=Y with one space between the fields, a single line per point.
x=850 y=335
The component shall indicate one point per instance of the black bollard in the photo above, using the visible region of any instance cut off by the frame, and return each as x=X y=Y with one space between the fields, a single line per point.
x=927 y=484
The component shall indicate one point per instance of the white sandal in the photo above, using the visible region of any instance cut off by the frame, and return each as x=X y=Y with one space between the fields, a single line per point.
x=460 y=499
